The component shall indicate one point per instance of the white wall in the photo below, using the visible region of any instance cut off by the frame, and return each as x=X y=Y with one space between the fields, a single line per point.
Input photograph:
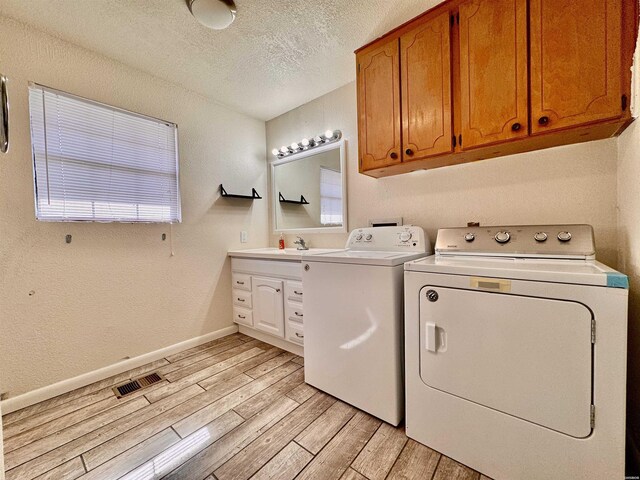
x=572 y=184
x=115 y=291
x=629 y=254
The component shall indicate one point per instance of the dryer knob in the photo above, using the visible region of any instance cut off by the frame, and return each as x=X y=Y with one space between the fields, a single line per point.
x=359 y=237
x=564 y=236
x=540 y=237
x=469 y=237
x=405 y=236
x=368 y=237
x=432 y=295
x=503 y=237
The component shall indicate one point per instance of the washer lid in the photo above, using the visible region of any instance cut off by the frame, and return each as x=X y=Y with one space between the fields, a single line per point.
x=578 y=272
x=362 y=257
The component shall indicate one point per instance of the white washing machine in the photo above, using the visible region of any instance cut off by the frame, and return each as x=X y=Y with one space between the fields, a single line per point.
x=353 y=318
x=516 y=351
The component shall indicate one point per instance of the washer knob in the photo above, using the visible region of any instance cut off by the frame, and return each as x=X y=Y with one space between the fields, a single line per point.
x=564 y=236
x=405 y=236
x=469 y=237
x=502 y=237
x=359 y=237
x=540 y=237
x=368 y=237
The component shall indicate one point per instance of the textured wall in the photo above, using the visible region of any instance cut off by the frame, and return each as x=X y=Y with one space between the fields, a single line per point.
x=572 y=184
x=115 y=291
x=629 y=253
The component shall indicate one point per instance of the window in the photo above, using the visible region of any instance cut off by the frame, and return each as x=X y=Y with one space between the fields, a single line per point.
x=99 y=163
x=330 y=197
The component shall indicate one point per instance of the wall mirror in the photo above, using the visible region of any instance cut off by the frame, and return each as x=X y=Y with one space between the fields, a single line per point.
x=309 y=190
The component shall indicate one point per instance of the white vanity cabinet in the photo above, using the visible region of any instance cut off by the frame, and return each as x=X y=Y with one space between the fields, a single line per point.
x=267 y=300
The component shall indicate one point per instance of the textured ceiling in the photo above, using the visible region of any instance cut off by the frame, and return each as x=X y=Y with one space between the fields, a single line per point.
x=277 y=55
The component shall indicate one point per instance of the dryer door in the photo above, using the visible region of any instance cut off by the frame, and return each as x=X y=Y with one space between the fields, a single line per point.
x=524 y=356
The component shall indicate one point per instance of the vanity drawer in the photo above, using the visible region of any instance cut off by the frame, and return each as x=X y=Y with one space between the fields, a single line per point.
x=293 y=291
x=295 y=332
x=243 y=316
x=241 y=281
x=294 y=311
x=242 y=298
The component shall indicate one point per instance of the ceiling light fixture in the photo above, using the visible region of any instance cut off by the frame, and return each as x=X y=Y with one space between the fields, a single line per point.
x=329 y=136
x=215 y=14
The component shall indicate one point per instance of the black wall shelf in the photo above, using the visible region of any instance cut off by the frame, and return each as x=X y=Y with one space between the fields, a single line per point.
x=302 y=201
x=254 y=195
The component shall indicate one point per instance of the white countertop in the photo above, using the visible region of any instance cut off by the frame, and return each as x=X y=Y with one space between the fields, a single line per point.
x=274 y=253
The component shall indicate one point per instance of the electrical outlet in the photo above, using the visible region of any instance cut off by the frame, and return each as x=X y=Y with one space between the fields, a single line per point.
x=244 y=236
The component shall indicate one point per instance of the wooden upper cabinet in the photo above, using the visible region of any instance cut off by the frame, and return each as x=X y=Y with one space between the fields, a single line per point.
x=425 y=74
x=379 y=106
x=576 y=73
x=493 y=71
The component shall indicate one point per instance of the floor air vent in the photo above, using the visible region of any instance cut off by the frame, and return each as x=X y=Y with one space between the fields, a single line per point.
x=136 y=384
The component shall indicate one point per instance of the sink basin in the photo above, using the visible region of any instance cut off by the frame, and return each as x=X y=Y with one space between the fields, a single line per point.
x=277 y=254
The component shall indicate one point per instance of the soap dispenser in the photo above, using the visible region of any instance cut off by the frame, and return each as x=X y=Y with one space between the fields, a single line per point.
x=281 y=242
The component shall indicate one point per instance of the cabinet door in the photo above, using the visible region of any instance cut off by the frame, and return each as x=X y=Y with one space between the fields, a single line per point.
x=268 y=306
x=493 y=71
x=379 y=107
x=575 y=62
x=426 y=89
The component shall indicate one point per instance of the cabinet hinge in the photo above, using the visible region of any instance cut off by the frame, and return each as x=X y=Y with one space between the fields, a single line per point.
x=451 y=20
x=624 y=102
x=460 y=139
x=453 y=140
x=593 y=416
x=593 y=330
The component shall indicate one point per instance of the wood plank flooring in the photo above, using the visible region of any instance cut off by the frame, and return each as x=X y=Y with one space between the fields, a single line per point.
x=232 y=409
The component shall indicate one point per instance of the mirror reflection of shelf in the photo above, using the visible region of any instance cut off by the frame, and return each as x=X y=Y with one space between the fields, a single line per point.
x=254 y=195
x=302 y=201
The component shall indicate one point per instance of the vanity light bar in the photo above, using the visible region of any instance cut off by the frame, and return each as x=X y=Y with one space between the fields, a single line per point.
x=329 y=136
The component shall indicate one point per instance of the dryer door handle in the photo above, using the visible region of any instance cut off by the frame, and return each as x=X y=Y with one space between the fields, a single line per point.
x=431 y=339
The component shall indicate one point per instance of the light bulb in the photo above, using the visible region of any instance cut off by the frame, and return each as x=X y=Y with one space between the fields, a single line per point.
x=284 y=149
x=328 y=134
x=275 y=151
x=305 y=142
x=294 y=146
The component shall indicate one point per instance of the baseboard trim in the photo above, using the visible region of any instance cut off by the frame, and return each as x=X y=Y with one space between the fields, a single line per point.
x=35 y=396
x=271 y=340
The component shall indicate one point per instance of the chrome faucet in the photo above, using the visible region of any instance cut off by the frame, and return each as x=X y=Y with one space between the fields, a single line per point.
x=301 y=244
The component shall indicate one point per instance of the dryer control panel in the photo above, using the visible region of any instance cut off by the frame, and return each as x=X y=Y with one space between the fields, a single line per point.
x=532 y=241
x=407 y=238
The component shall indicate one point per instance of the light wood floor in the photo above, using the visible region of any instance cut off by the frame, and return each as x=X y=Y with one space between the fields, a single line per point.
x=235 y=408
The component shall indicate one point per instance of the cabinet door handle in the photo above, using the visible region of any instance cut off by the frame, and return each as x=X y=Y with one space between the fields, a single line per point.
x=298 y=314
x=4 y=115
x=239 y=282
x=516 y=127
x=240 y=299
x=543 y=120
x=394 y=155
x=299 y=335
x=408 y=151
x=241 y=316
x=297 y=292
x=277 y=290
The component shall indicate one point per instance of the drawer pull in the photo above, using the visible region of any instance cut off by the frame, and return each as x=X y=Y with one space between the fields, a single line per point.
x=241 y=316
x=299 y=335
x=239 y=282
x=277 y=290
x=297 y=292
x=240 y=299
x=298 y=314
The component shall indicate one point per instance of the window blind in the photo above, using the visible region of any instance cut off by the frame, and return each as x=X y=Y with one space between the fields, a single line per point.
x=330 y=197
x=94 y=162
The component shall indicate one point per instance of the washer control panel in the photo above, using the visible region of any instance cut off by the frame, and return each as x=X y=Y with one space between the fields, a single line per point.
x=537 y=241
x=395 y=239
